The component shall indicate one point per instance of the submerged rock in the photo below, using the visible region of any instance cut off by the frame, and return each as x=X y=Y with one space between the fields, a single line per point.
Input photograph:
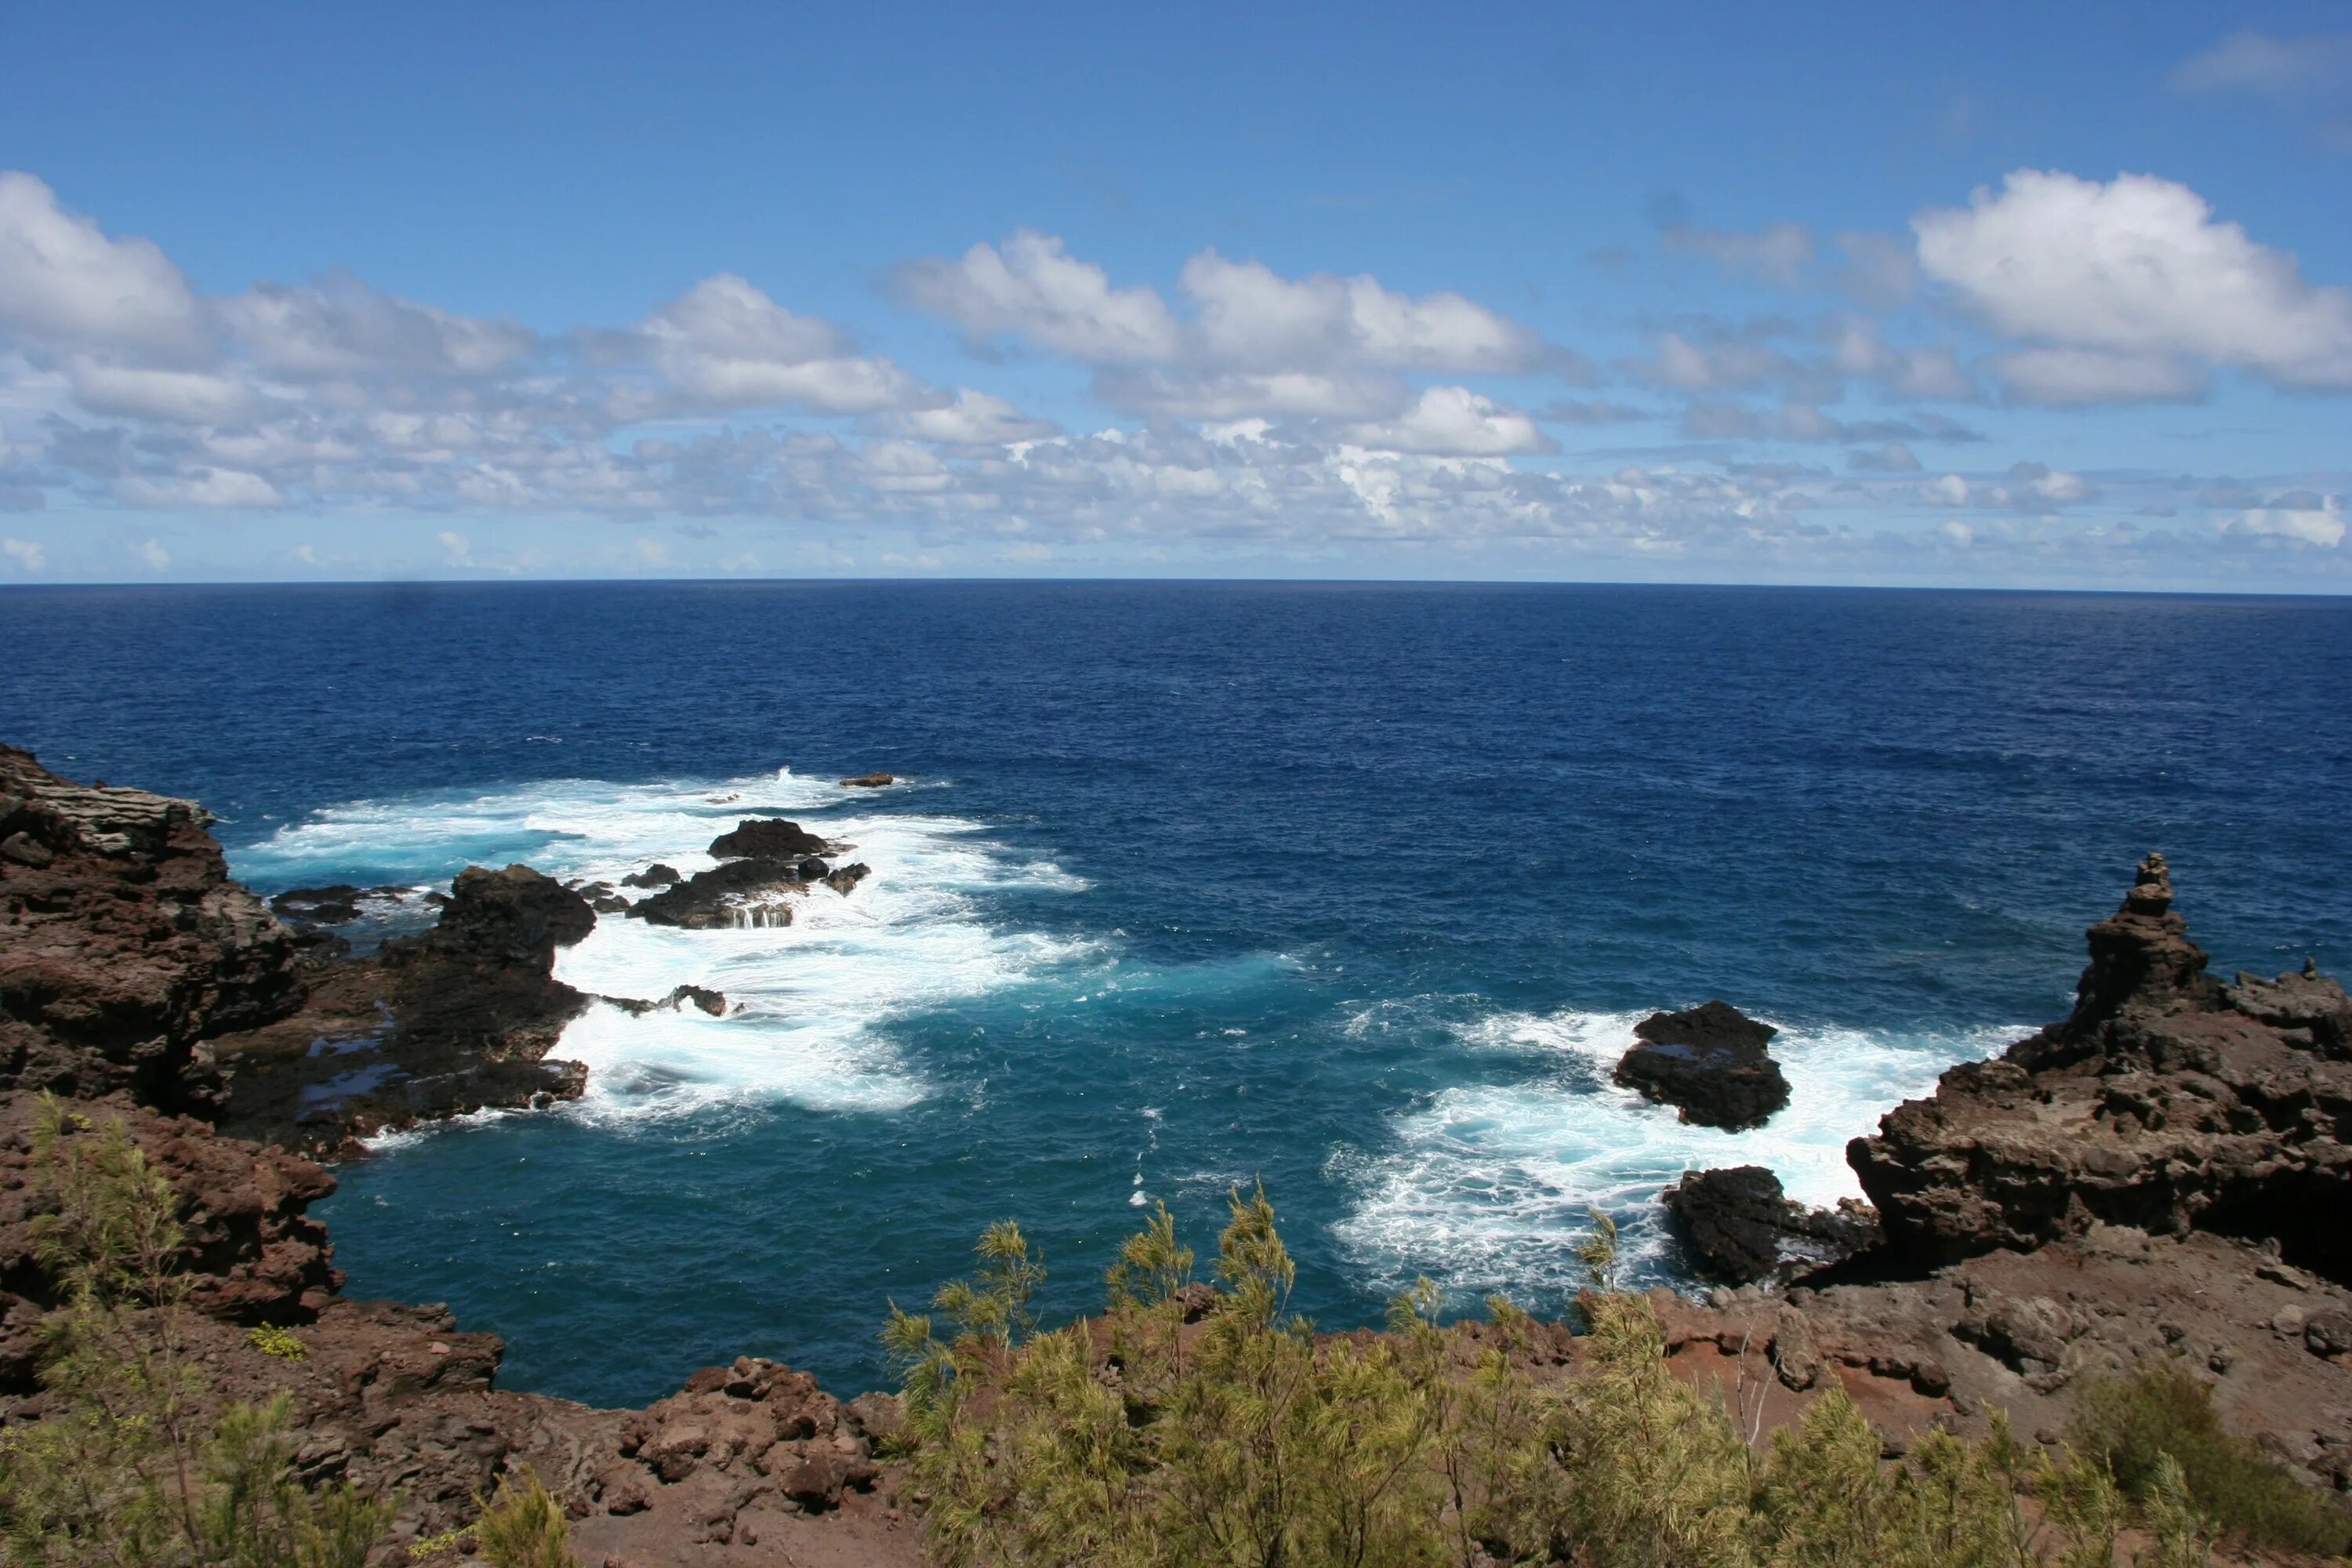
x=1710 y=1061
x=1741 y=1227
x=869 y=781
x=847 y=877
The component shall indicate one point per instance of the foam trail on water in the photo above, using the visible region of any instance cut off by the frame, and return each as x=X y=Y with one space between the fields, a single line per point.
x=1487 y=1186
x=809 y=1004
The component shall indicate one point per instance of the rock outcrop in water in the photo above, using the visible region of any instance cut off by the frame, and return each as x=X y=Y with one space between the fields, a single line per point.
x=1710 y=1061
x=869 y=781
x=767 y=839
x=2166 y=1101
x=459 y=1018
x=1740 y=1227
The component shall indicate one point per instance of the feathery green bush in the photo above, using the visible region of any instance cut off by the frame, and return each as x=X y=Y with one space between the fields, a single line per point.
x=1215 y=1429
x=127 y=1473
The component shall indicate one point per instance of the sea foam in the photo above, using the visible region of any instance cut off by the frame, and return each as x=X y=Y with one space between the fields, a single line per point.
x=1487 y=1186
x=810 y=1005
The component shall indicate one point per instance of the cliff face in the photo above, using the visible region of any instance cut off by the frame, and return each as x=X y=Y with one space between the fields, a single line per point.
x=2166 y=1101
x=123 y=944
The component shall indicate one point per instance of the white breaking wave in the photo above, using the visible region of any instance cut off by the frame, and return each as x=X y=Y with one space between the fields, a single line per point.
x=1486 y=1187
x=809 y=1004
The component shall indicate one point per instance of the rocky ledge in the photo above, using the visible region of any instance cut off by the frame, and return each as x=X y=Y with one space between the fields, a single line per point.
x=2165 y=1173
x=2166 y=1101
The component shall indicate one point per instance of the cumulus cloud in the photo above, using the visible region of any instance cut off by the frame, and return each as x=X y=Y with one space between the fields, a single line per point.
x=973 y=419
x=2309 y=518
x=28 y=553
x=2116 y=278
x=343 y=327
x=1032 y=286
x=199 y=487
x=63 y=283
x=724 y=343
x=168 y=396
x=1246 y=343
x=1454 y=419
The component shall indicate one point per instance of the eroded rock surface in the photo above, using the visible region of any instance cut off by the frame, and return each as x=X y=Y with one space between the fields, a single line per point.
x=123 y=944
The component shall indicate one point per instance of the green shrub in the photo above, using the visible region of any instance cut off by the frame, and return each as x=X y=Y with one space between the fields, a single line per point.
x=125 y=1471
x=1244 y=1440
x=523 y=1526
x=2164 y=1411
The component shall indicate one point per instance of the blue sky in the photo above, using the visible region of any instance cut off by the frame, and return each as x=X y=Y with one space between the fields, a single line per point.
x=1989 y=294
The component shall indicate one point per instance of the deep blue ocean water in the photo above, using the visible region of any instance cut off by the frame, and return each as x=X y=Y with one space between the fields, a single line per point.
x=1356 y=888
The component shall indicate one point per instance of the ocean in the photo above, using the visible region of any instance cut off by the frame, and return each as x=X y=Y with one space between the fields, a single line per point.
x=1356 y=890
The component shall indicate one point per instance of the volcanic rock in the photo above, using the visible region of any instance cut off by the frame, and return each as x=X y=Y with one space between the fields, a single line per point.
x=335 y=905
x=453 y=1020
x=653 y=876
x=1741 y=1227
x=767 y=839
x=123 y=944
x=1711 y=1062
x=847 y=877
x=2164 y=1101
x=869 y=781
x=746 y=892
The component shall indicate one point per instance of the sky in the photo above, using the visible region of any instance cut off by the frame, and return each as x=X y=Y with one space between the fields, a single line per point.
x=1983 y=295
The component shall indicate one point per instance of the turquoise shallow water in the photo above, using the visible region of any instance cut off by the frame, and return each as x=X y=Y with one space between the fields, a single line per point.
x=1355 y=888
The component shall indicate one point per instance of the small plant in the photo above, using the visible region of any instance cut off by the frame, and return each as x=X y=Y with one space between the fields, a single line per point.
x=272 y=1340
x=2164 y=1413
x=523 y=1526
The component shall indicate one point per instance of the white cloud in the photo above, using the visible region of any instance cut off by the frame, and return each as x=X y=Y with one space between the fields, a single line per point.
x=63 y=283
x=199 y=487
x=1949 y=489
x=973 y=419
x=1453 y=421
x=167 y=396
x=1251 y=316
x=151 y=554
x=456 y=548
x=343 y=327
x=2071 y=377
x=2320 y=522
x=27 y=554
x=1247 y=394
x=1033 y=288
x=1254 y=344
x=2256 y=62
x=2136 y=268
x=726 y=344
x=1778 y=254
x=1958 y=532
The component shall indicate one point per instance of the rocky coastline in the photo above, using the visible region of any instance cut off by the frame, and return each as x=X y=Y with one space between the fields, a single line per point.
x=2165 y=1172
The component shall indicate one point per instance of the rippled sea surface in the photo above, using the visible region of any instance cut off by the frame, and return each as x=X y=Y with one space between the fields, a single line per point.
x=1355 y=888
